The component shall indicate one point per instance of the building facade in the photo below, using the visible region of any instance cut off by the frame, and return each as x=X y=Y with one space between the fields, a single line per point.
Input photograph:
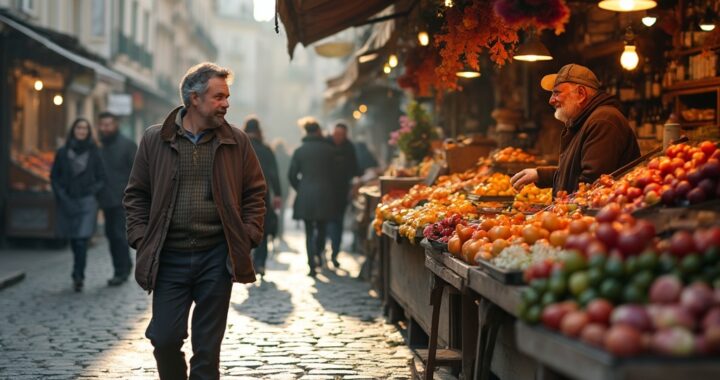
x=65 y=59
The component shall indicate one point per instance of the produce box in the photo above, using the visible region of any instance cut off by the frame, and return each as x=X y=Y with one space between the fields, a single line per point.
x=388 y=184
x=462 y=158
x=505 y=276
x=578 y=360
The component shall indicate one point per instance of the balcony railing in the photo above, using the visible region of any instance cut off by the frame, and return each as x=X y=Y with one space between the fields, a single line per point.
x=134 y=51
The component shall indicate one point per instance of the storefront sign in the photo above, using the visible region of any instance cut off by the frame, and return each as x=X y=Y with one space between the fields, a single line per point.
x=120 y=104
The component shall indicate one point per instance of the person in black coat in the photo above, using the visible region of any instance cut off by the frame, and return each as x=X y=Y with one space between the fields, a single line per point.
x=345 y=169
x=270 y=170
x=118 y=154
x=77 y=176
x=311 y=179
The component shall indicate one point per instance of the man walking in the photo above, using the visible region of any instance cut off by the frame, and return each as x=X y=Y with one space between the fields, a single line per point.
x=117 y=153
x=270 y=170
x=195 y=208
x=346 y=169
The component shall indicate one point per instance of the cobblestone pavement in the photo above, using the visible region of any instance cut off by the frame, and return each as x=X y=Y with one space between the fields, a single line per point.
x=288 y=327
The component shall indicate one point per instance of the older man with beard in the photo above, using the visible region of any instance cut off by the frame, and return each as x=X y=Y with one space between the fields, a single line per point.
x=596 y=139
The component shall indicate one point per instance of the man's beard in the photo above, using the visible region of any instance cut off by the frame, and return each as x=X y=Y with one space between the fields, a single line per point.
x=565 y=113
x=216 y=120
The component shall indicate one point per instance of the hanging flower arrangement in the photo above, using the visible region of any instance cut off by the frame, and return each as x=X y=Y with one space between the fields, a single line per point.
x=471 y=27
x=415 y=134
x=419 y=75
x=538 y=14
x=467 y=32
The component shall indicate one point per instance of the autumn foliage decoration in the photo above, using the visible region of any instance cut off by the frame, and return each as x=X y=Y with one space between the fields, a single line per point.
x=538 y=14
x=467 y=31
x=419 y=75
x=469 y=28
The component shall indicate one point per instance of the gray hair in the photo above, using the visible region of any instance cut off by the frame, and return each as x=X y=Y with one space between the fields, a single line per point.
x=197 y=77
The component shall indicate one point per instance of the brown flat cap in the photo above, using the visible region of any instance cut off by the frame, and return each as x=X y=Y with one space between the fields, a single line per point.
x=572 y=73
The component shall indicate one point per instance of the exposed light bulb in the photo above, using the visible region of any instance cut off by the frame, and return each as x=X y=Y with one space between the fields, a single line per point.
x=449 y=3
x=357 y=115
x=387 y=69
x=393 y=60
x=38 y=85
x=649 y=21
x=629 y=58
x=362 y=108
x=58 y=100
x=423 y=38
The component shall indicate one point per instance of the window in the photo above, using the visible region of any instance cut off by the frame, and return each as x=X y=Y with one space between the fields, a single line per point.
x=133 y=30
x=97 y=18
x=28 y=6
x=146 y=29
x=121 y=26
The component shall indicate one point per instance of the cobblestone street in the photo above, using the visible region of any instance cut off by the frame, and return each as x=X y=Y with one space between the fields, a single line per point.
x=290 y=326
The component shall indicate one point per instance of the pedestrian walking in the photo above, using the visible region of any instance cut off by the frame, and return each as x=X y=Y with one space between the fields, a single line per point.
x=346 y=168
x=311 y=179
x=77 y=176
x=118 y=153
x=270 y=170
x=195 y=208
x=282 y=157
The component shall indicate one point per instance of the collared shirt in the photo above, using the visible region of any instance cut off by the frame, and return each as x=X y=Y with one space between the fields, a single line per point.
x=195 y=139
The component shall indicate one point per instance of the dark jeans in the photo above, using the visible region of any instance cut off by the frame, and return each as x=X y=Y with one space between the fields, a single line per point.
x=314 y=242
x=260 y=255
x=335 y=232
x=115 y=232
x=79 y=249
x=184 y=278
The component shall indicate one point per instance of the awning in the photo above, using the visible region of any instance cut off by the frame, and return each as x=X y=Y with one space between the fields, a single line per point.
x=100 y=70
x=356 y=72
x=307 y=21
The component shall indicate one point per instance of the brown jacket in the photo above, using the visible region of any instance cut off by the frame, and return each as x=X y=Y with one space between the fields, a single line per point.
x=238 y=188
x=598 y=142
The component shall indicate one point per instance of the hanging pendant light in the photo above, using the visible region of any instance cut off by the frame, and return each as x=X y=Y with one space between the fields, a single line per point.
x=387 y=69
x=468 y=73
x=38 y=85
x=533 y=50
x=707 y=23
x=650 y=19
x=627 y=5
x=629 y=58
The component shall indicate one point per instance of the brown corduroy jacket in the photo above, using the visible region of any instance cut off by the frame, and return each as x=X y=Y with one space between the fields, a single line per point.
x=598 y=142
x=238 y=188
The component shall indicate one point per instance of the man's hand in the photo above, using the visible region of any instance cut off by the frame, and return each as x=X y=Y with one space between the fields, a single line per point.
x=524 y=177
x=277 y=202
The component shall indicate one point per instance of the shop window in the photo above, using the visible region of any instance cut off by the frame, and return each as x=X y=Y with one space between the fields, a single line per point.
x=97 y=19
x=38 y=129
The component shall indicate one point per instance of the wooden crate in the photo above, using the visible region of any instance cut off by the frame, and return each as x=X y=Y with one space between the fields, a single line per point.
x=462 y=158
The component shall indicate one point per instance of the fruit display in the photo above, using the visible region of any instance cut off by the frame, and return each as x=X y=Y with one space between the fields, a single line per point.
x=442 y=231
x=530 y=197
x=684 y=175
x=434 y=210
x=495 y=185
x=511 y=154
x=664 y=301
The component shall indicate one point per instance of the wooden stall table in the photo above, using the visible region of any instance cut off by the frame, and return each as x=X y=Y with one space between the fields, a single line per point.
x=577 y=360
x=496 y=343
x=450 y=274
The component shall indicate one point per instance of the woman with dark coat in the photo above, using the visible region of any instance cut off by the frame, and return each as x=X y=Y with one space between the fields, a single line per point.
x=311 y=177
x=77 y=176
